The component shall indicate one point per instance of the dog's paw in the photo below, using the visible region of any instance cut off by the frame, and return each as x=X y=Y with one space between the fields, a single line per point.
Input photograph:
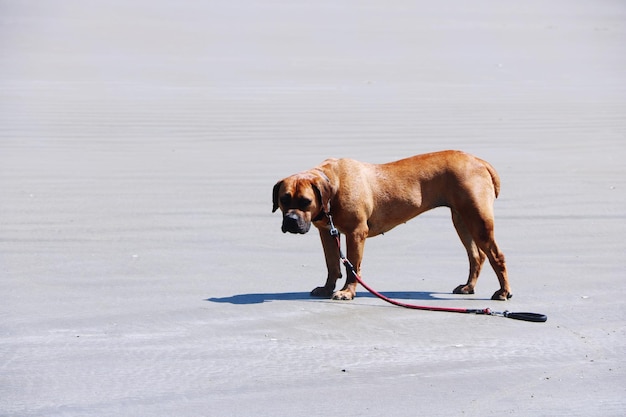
x=501 y=295
x=321 y=292
x=343 y=295
x=463 y=289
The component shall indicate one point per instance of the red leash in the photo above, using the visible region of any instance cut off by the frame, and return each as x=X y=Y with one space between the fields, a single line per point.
x=536 y=317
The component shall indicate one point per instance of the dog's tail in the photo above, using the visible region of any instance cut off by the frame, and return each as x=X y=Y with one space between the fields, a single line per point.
x=495 y=178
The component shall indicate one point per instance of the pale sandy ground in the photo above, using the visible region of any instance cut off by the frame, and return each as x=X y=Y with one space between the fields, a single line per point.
x=143 y=273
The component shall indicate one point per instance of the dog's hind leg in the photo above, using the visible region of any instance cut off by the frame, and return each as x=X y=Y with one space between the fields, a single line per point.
x=479 y=223
x=497 y=261
x=476 y=256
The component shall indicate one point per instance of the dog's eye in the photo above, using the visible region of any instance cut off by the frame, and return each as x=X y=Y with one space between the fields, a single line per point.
x=304 y=203
x=285 y=199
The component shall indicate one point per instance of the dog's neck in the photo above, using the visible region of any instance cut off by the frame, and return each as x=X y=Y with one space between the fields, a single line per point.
x=322 y=173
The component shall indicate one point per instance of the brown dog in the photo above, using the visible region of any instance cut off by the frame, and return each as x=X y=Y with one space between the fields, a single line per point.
x=366 y=200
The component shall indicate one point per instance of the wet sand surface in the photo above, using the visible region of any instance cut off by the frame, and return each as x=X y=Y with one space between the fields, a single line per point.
x=143 y=272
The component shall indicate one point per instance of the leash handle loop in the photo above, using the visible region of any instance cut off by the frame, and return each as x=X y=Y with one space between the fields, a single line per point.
x=536 y=317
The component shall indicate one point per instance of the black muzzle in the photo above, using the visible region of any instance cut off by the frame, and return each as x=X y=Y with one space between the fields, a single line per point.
x=293 y=223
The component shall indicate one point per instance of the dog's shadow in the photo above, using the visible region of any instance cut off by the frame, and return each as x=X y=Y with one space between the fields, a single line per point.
x=259 y=298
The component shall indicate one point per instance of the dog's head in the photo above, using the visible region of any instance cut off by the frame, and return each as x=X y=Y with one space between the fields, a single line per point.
x=302 y=198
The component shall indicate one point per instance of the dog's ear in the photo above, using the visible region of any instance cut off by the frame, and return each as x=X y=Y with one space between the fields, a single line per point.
x=275 y=195
x=323 y=191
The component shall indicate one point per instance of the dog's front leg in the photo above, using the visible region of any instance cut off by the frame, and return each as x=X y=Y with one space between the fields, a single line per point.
x=355 y=243
x=331 y=253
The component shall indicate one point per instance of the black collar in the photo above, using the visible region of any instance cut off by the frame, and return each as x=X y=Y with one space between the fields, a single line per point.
x=320 y=216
